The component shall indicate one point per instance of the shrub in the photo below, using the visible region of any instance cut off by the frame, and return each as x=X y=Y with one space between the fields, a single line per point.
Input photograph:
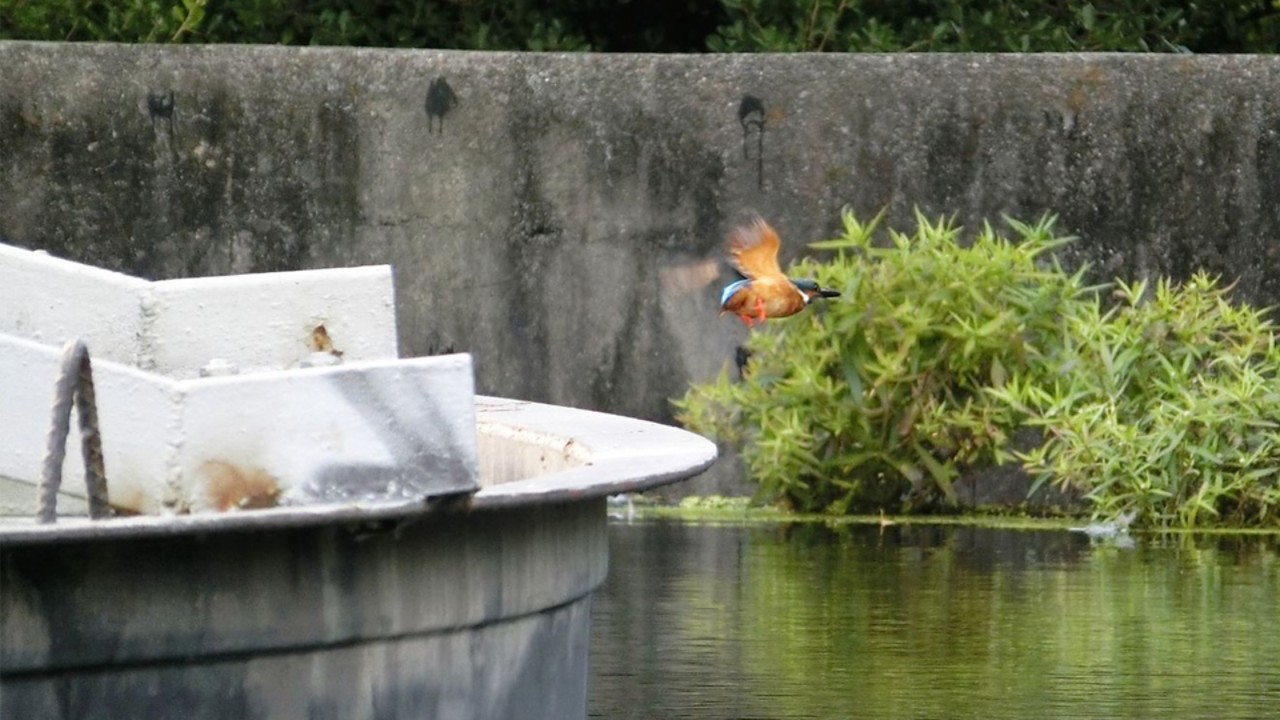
x=938 y=351
x=145 y=21
x=466 y=24
x=1166 y=404
x=679 y=26
x=879 y=395
x=997 y=26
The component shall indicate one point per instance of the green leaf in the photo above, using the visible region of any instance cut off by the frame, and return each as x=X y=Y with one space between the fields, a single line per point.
x=942 y=475
x=1087 y=17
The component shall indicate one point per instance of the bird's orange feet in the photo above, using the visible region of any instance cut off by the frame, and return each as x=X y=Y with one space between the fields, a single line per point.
x=760 y=314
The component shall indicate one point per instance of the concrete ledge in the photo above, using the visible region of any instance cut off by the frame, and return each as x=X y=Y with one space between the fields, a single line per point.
x=583 y=453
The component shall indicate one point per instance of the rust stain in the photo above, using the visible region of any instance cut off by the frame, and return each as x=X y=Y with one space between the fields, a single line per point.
x=1091 y=79
x=231 y=487
x=39 y=121
x=129 y=502
x=321 y=342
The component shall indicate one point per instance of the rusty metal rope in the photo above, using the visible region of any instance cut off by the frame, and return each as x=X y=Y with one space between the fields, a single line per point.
x=75 y=382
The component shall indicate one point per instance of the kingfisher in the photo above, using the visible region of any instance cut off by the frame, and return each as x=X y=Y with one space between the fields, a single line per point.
x=764 y=290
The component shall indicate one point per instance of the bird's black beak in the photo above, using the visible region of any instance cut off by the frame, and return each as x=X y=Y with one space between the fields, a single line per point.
x=812 y=289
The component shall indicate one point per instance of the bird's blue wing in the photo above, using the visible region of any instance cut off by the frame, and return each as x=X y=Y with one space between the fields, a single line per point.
x=730 y=289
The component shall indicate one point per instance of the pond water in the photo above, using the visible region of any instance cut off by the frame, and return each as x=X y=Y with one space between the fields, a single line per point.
x=926 y=622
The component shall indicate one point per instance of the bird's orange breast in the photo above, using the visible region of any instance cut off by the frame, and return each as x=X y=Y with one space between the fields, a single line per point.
x=779 y=300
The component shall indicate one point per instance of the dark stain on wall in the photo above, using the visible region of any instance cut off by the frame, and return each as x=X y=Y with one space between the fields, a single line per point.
x=440 y=100
x=243 y=184
x=161 y=105
x=96 y=178
x=752 y=117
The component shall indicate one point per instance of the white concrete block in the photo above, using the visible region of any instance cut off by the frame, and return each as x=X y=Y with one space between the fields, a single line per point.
x=382 y=429
x=52 y=300
x=255 y=322
x=265 y=321
x=135 y=410
x=353 y=433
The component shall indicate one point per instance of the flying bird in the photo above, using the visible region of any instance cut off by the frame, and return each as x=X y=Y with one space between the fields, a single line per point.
x=764 y=290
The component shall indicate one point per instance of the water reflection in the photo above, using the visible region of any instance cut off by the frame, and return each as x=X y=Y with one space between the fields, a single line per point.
x=932 y=622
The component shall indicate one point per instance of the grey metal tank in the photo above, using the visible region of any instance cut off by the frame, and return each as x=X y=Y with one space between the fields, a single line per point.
x=462 y=606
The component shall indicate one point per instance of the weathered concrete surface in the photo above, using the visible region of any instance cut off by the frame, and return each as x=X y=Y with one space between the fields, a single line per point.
x=533 y=210
x=454 y=616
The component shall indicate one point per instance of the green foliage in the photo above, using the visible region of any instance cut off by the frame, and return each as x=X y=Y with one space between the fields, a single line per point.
x=674 y=26
x=400 y=23
x=129 y=20
x=996 y=26
x=463 y=24
x=714 y=502
x=937 y=352
x=1166 y=403
x=475 y=25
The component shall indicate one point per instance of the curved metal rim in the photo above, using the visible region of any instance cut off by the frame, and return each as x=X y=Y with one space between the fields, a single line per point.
x=618 y=455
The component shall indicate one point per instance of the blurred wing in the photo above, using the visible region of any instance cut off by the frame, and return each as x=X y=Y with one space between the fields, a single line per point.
x=682 y=279
x=753 y=250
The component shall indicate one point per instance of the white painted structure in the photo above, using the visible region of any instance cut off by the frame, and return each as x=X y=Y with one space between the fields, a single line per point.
x=284 y=417
x=175 y=327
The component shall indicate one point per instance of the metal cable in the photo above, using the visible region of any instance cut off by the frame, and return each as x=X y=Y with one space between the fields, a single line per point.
x=75 y=382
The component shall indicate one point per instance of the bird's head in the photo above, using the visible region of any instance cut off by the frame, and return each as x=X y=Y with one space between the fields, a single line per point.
x=811 y=289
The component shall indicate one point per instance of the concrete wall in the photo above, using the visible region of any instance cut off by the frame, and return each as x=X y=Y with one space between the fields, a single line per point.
x=532 y=205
